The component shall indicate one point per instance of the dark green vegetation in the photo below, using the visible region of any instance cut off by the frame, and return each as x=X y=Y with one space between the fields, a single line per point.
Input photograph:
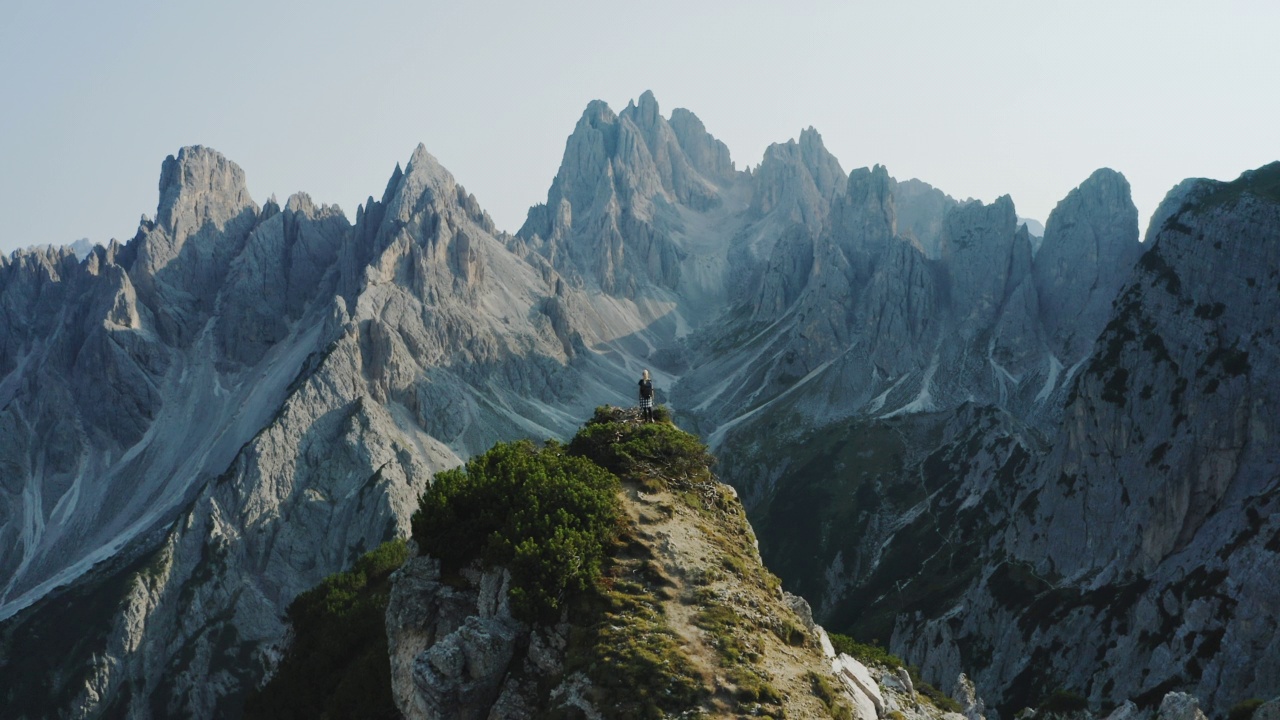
x=337 y=666
x=545 y=515
x=1062 y=702
x=1263 y=183
x=37 y=645
x=654 y=455
x=1244 y=709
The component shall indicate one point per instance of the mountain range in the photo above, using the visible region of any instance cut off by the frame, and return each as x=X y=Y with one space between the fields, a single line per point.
x=1045 y=462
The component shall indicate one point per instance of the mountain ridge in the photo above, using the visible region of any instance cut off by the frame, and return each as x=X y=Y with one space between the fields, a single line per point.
x=330 y=368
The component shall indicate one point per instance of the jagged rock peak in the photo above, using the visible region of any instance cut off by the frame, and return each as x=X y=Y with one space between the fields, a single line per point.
x=645 y=113
x=1105 y=196
x=802 y=174
x=197 y=186
x=1090 y=245
x=866 y=210
x=300 y=202
x=871 y=182
x=424 y=164
x=708 y=155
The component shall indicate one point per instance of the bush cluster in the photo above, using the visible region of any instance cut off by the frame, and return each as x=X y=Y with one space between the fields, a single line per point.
x=1244 y=709
x=338 y=664
x=649 y=453
x=1063 y=702
x=542 y=513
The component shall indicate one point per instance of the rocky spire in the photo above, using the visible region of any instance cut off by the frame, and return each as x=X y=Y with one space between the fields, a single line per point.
x=978 y=246
x=609 y=218
x=198 y=187
x=203 y=217
x=1090 y=246
x=706 y=154
x=798 y=178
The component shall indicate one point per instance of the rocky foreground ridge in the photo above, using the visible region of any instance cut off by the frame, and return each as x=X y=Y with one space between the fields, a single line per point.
x=199 y=424
x=679 y=620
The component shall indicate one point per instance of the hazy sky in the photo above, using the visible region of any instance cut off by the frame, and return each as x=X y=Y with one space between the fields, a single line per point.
x=977 y=98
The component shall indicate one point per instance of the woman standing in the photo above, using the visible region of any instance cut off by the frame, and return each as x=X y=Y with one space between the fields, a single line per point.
x=646 y=397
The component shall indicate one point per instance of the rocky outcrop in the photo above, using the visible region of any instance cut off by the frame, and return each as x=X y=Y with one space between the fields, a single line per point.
x=1090 y=245
x=921 y=211
x=610 y=218
x=797 y=179
x=181 y=259
x=660 y=609
x=451 y=647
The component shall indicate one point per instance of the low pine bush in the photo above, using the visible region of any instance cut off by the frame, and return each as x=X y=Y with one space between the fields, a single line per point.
x=545 y=515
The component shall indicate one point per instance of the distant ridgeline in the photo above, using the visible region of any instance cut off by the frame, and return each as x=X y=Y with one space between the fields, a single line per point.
x=1050 y=463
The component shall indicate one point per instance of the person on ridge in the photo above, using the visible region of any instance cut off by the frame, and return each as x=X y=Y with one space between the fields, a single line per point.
x=646 y=397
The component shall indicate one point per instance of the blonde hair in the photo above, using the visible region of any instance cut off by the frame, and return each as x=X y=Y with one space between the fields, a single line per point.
x=644 y=375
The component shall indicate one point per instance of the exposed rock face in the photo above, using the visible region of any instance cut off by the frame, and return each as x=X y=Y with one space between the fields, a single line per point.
x=265 y=444
x=1090 y=245
x=1179 y=706
x=182 y=258
x=799 y=178
x=610 y=214
x=451 y=648
x=921 y=210
x=967 y=696
x=1163 y=473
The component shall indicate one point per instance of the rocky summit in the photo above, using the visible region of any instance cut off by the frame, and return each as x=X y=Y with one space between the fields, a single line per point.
x=1047 y=463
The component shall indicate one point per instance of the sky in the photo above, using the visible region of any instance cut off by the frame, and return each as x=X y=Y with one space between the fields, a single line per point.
x=979 y=98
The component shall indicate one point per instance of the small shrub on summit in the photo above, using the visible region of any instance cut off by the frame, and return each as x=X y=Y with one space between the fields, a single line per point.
x=653 y=454
x=545 y=515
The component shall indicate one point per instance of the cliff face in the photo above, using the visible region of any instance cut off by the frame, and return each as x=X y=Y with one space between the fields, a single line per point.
x=1163 y=473
x=249 y=438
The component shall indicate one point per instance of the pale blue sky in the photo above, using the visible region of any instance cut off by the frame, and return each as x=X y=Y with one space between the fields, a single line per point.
x=977 y=98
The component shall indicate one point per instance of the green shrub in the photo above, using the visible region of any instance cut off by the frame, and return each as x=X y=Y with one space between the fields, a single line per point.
x=1062 y=702
x=940 y=700
x=833 y=698
x=338 y=664
x=652 y=454
x=1244 y=709
x=545 y=515
x=662 y=413
x=865 y=654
